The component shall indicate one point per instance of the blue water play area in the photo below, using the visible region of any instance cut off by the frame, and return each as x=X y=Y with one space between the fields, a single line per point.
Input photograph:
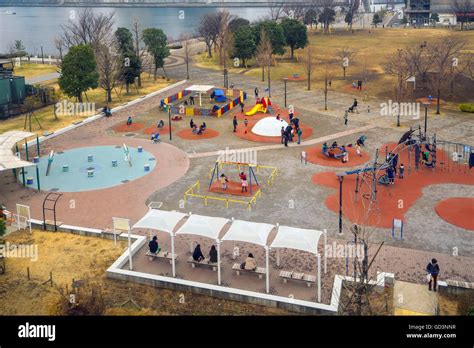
x=90 y=168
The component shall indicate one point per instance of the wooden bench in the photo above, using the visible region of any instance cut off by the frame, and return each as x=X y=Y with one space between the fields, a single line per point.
x=204 y=263
x=161 y=255
x=260 y=270
x=309 y=279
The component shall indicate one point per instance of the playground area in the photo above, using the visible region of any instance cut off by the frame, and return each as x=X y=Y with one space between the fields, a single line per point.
x=118 y=168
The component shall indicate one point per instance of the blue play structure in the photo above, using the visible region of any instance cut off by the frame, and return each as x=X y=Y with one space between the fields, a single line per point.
x=220 y=96
x=93 y=168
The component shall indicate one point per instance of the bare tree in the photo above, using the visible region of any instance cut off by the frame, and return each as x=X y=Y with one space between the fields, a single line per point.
x=108 y=66
x=276 y=9
x=462 y=10
x=309 y=64
x=294 y=11
x=209 y=30
x=264 y=52
x=224 y=40
x=184 y=38
x=446 y=55
x=398 y=65
x=139 y=54
x=420 y=60
x=90 y=28
x=468 y=66
x=346 y=57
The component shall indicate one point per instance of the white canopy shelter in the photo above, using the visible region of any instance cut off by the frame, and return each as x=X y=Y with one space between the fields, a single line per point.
x=8 y=160
x=251 y=232
x=165 y=221
x=299 y=239
x=206 y=226
x=200 y=89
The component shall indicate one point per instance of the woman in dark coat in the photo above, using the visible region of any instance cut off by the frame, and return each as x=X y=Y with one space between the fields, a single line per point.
x=197 y=254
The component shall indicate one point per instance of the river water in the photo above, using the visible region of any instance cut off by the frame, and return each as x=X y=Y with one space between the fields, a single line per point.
x=38 y=26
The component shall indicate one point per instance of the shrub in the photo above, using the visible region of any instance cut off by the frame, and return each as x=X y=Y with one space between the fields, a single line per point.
x=3 y=227
x=467 y=107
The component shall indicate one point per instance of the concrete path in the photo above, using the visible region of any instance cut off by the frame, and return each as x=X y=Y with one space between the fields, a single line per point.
x=414 y=299
x=42 y=78
x=278 y=146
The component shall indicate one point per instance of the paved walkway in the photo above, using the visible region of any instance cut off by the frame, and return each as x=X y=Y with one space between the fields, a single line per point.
x=278 y=146
x=42 y=78
x=414 y=299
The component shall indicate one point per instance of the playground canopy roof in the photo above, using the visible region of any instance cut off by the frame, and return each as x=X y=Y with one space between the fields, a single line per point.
x=297 y=238
x=199 y=88
x=160 y=220
x=251 y=232
x=8 y=160
x=205 y=226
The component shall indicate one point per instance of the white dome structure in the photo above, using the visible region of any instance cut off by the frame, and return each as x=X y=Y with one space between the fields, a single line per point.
x=269 y=127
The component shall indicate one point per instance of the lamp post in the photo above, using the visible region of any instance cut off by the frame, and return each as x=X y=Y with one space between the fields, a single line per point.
x=426 y=115
x=340 y=176
x=225 y=78
x=285 y=80
x=169 y=121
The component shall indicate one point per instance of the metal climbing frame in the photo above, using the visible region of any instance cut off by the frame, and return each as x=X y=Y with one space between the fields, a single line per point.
x=51 y=199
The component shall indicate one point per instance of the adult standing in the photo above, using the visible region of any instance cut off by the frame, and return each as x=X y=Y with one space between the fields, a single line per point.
x=235 y=123
x=256 y=92
x=433 y=270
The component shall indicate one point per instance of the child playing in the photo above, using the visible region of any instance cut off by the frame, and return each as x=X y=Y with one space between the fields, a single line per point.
x=243 y=179
x=224 y=180
x=401 y=171
x=358 y=150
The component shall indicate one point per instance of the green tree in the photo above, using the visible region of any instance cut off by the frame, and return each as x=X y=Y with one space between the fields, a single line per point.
x=78 y=71
x=404 y=21
x=311 y=18
x=296 y=34
x=275 y=34
x=326 y=17
x=434 y=19
x=124 y=40
x=238 y=23
x=130 y=69
x=156 y=42
x=244 y=44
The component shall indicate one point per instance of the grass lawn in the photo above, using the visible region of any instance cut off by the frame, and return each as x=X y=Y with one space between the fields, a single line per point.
x=375 y=47
x=70 y=256
x=97 y=96
x=29 y=70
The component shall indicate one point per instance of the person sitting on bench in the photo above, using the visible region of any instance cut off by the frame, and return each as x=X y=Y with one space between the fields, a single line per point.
x=250 y=264
x=161 y=124
x=153 y=246
x=129 y=120
x=197 y=254
x=213 y=255
x=204 y=126
x=107 y=111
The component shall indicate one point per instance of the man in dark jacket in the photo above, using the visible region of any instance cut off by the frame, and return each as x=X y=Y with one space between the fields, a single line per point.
x=153 y=245
x=235 y=123
x=433 y=269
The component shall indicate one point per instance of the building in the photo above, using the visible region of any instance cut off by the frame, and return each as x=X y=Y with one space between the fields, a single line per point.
x=377 y=5
x=419 y=12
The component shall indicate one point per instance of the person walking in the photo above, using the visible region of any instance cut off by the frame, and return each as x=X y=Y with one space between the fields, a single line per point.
x=242 y=105
x=286 y=137
x=235 y=123
x=346 y=115
x=433 y=270
x=256 y=93
x=282 y=134
x=246 y=123
x=357 y=147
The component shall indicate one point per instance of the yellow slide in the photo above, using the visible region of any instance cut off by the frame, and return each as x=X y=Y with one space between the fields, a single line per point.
x=256 y=108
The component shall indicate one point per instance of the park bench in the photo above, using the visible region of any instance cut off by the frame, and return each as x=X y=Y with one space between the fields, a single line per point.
x=260 y=270
x=309 y=279
x=204 y=263
x=161 y=255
